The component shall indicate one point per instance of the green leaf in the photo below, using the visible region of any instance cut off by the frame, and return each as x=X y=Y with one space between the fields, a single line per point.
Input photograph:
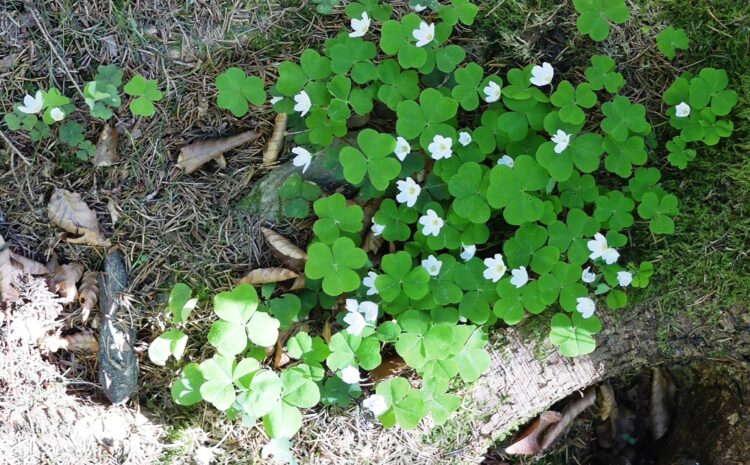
x=236 y=89
x=602 y=75
x=440 y=404
x=308 y=349
x=376 y=161
x=406 y=406
x=512 y=190
x=396 y=220
x=71 y=133
x=335 y=265
x=283 y=421
x=146 y=92
x=180 y=302
x=171 y=343
x=336 y=217
x=218 y=388
x=659 y=212
x=401 y=277
x=623 y=117
x=336 y=392
x=298 y=389
x=594 y=16
x=263 y=394
x=671 y=39
x=574 y=335
x=186 y=389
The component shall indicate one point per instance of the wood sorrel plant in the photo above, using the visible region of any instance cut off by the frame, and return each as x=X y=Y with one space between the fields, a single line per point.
x=490 y=194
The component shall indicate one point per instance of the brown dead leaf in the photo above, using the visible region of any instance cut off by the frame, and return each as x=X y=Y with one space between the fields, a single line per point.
x=63 y=281
x=113 y=213
x=569 y=415
x=84 y=342
x=391 y=365
x=659 y=412
x=106 y=148
x=298 y=283
x=195 y=155
x=8 y=293
x=284 y=250
x=88 y=294
x=273 y=146
x=607 y=401
x=528 y=442
x=327 y=331
x=372 y=243
x=67 y=210
x=280 y=357
x=268 y=275
x=28 y=265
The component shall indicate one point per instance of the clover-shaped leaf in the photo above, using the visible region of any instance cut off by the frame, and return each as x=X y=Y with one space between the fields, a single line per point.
x=670 y=39
x=406 y=406
x=298 y=390
x=186 y=389
x=239 y=319
x=511 y=189
x=595 y=14
x=335 y=265
x=399 y=276
x=171 y=343
x=181 y=303
x=433 y=108
x=396 y=39
x=659 y=212
x=573 y=235
x=679 y=155
x=295 y=195
x=570 y=99
x=287 y=309
x=623 y=118
x=468 y=187
x=349 y=53
x=615 y=208
x=395 y=220
x=622 y=155
x=602 y=75
x=472 y=359
x=284 y=420
x=440 y=404
x=578 y=190
x=236 y=89
x=261 y=394
x=71 y=133
x=145 y=92
x=336 y=392
x=644 y=180
x=221 y=374
x=397 y=85
x=336 y=217
x=466 y=91
x=373 y=159
x=584 y=152
x=348 y=350
x=574 y=335
x=308 y=349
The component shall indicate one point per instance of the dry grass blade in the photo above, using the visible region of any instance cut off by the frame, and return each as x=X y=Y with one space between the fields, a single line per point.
x=268 y=275
x=284 y=250
x=63 y=281
x=569 y=415
x=106 y=147
x=67 y=210
x=528 y=442
x=195 y=155
x=88 y=294
x=7 y=292
x=28 y=265
x=276 y=141
x=659 y=411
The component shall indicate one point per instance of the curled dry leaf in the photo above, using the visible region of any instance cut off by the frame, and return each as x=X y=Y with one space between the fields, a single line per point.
x=327 y=331
x=106 y=147
x=273 y=146
x=8 y=293
x=195 y=155
x=372 y=243
x=659 y=413
x=79 y=342
x=28 y=265
x=113 y=213
x=528 y=442
x=280 y=357
x=88 y=294
x=284 y=250
x=268 y=275
x=298 y=283
x=63 y=281
x=67 y=210
x=569 y=415
x=607 y=402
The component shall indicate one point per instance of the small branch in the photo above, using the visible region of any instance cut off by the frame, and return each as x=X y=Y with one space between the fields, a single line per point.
x=13 y=148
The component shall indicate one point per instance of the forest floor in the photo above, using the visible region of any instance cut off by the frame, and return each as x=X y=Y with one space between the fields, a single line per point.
x=175 y=227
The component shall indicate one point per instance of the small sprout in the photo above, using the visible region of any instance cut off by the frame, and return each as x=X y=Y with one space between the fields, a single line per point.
x=145 y=92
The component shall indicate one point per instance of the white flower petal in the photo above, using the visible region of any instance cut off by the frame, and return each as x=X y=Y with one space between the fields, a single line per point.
x=506 y=160
x=520 y=277
x=57 y=114
x=464 y=138
x=409 y=191
x=542 y=75
x=425 y=34
x=467 y=252
x=350 y=375
x=495 y=268
x=431 y=223
x=302 y=103
x=360 y=26
x=624 y=278
x=432 y=265
x=561 y=140
x=492 y=92
x=376 y=404
x=682 y=110
x=585 y=306
x=587 y=276
x=440 y=147
x=303 y=158
x=402 y=148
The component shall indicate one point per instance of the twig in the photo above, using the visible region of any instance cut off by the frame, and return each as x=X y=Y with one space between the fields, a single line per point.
x=13 y=148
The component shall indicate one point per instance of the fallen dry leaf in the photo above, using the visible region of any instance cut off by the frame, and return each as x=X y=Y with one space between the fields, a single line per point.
x=106 y=148
x=195 y=155
x=79 y=342
x=528 y=442
x=63 y=281
x=298 y=283
x=569 y=415
x=273 y=146
x=607 y=401
x=268 y=275
x=659 y=412
x=280 y=357
x=28 y=265
x=67 y=210
x=8 y=293
x=88 y=294
x=327 y=331
x=372 y=243
x=284 y=250
x=113 y=213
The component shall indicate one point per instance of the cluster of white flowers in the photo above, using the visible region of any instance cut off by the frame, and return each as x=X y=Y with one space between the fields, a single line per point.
x=34 y=105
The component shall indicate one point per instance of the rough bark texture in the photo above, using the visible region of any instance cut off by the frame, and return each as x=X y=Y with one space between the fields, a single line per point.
x=118 y=367
x=526 y=377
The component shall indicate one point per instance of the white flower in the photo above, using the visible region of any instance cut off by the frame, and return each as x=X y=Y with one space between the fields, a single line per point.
x=585 y=306
x=682 y=110
x=203 y=455
x=440 y=147
x=520 y=277
x=275 y=100
x=431 y=222
x=432 y=265
x=402 y=148
x=303 y=158
x=360 y=26
x=561 y=140
x=542 y=75
x=377 y=229
x=464 y=138
x=369 y=282
x=376 y=404
x=302 y=103
x=600 y=249
x=495 y=268
x=408 y=191
x=506 y=160
x=32 y=105
x=425 y=34
x=492 y=92
x=350 y=375
x=57 y=114
x=467 y=252
x=624 y=278
x=419 y=8
x=280 y=449
x=587 y=276
x=366 y=308
x=356 y=323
